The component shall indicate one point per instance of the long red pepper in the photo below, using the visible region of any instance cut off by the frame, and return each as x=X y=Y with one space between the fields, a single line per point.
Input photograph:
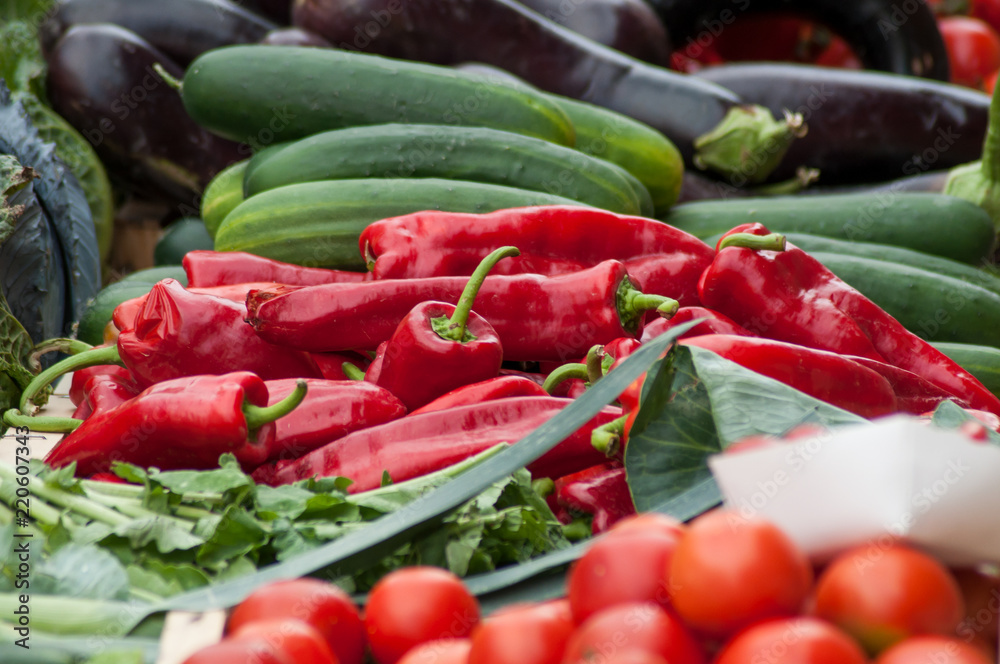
x=552 y=239
x=914 y=395
x=789 y=295
x=438 y=347
x=600 y=491
x=221 y=268
x=536 y=317
x=419 y=444
x=501 y=387
x=77 y=386
x=714 y=323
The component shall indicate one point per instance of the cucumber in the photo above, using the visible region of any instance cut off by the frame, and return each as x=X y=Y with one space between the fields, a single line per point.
x=257 y=94
x=184 y=235
x=933 y=223
x=97 y=312
x=474 y=154
x=222 y=194
x=932 y=306
x=318 y=223
x=983 y=362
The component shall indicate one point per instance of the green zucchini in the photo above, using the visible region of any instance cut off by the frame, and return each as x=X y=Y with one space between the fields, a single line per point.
x=258 y=94
x=933 y=223
x=932 y=306
x=184 y=235
x=318 y=223
x=475 y=154
x=222 y=194
x=983 y=362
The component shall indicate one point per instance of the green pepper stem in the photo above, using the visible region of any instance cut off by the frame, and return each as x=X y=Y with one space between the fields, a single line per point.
x=770 y=242
x=576 y=530
x=543 y=486
x=595 y=363
x=90 y=358
x=16 y=418
x=564 y=373
x=455 y=329
x=60 y=345
x=352 y=372
x=607 y=438
x=258 y=416
x=167 y=78
x=632 y=304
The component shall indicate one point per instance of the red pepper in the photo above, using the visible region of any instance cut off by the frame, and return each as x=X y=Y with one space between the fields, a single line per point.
x=184 y=423
x=107 y=392
x=536 y=317
x=221 y=268
x=330 y=410
x=501 y=387
x=714 y=323
x=331 y=365
x=77 y=387
x=600 y=491
x=914 y=395
x=419 y=444
x=789 y=295
x=438 y=347
x=552 y=239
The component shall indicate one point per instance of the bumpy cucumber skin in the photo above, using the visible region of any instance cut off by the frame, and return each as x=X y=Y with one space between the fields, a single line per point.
x=475 y=154
x=261 y=94
x=933 y=223
x=932 y=306
x=222 y=195
x=318 y=224
x=983 y=362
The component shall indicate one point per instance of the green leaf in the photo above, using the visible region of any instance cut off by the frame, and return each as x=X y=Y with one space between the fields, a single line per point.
x=238 y=534
x=81 y=570
x=118 y=657
x=15 y=351
x=949 y=415
x=287 y=500
x=227 y=478
x=166 y=534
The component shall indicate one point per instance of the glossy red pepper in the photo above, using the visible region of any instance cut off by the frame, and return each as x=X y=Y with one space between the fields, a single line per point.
x=184 y=423
x=77 y=386
x=438 y=347
x=552 y=239
x=501 y=387
x=914 y=395
x=714 y=323
x=419 y=444
x=221 y=268
x=790 y=296
x=536 y=317
x=600 y=491
x=104 y=393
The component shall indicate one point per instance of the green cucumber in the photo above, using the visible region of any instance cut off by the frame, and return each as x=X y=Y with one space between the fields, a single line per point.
x=259 y=94
x=983 y=362
x=933 y=223
x=932 y=306
x=184 y=235
x=222 y=194
x=318 y=223
x=474 y=154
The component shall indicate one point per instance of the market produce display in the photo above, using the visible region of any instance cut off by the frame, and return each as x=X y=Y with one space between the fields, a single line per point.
x=377 y=332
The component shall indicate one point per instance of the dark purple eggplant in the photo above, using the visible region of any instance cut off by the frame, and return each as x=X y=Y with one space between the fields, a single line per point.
x=931 y=182
x=899 y=36
x=294 y=37
x=629 y=26
x=182 y=29
x=864 y=126
x=135 y=121
x=279 y=11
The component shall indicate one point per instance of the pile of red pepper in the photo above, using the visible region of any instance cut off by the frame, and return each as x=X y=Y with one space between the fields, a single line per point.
x=456 y=341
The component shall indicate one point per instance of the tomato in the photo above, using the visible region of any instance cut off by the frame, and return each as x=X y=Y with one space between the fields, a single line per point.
x=443 y=651
x=299 y=641
x=936 y=649
x=637 y=626
x=728 y=572
x=883 y=594
x=799 y=640
x=323 y=605
x=414 y=605
x=981 y=606
x=987 y=11
x=626 y=657
x=973 y=49
x=649 y=522
x=838 y=53
x=776 y=37
x=239 y=651
x=626 y=566
x=526 y=634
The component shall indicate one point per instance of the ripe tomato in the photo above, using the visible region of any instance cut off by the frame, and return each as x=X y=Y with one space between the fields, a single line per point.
x=636 y=626
x=299 y=641
x=800 y=640
x=936 y=649
x=973 y=49
x=323 y=605
x=881 y=595
x=776 y=37
x=443 y=651
x=649 y=521
x=838 y=53
x=627 y=657
x=728 y=572
x=527 y=634
x=414 y=605
x=239 y=651
x=987 y=11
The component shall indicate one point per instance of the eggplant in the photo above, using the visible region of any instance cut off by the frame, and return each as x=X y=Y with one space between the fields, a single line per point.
x=132 y=117
x=294 y=37
x=899 y=36
x=182 y=29
x=864 y=126
x=629 y=26
x=279 y=11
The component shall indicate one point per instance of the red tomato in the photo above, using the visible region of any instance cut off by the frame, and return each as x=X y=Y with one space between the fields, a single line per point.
x=981 y=602
x=649 y=522
x=444 y=651
x=626 y=657
x=526 y=634
x=882 y=595
x=973 y=49
x=414 y=605
x=838 y=54
x=323 y=605
x=627 y=566
x=936 y=649
x=239 y=651
x=637 y=626
x=800 y=640
x=728 y=572
x=300 y=641
x=766 y=37
x=987 y=11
